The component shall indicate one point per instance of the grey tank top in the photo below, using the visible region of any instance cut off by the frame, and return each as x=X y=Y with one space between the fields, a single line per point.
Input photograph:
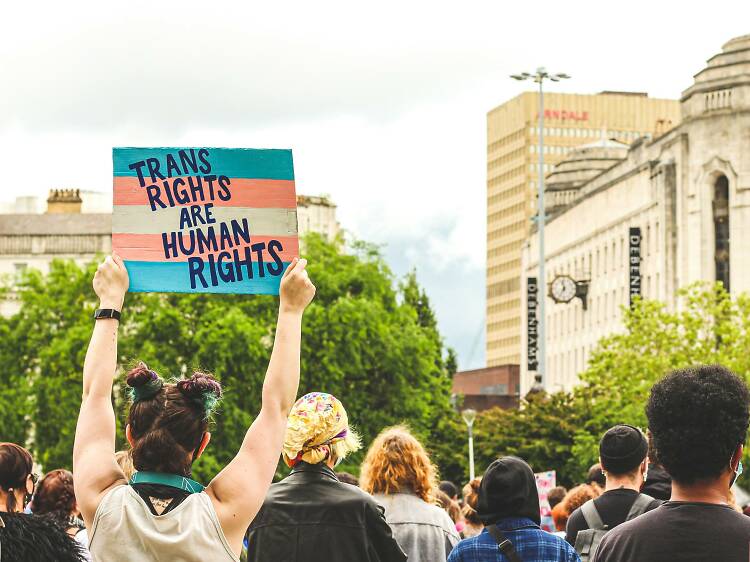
x=125 y=530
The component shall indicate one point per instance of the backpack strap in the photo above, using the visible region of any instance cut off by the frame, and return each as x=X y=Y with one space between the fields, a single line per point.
x=639 y=507
x=503 y=544
x=592 y=517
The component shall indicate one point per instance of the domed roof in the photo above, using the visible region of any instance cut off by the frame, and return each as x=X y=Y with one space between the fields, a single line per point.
x=725 y=69
x=585 y=163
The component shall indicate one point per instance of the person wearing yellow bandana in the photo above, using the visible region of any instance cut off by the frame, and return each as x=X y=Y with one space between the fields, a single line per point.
x=311 y=516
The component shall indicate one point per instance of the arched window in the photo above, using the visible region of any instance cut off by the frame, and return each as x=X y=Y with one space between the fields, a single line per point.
x=721 y=229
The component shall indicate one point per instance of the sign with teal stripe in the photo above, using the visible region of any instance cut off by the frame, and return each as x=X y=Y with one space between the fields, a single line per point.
x=175 y=277
x=268 y=163
x=204 y=220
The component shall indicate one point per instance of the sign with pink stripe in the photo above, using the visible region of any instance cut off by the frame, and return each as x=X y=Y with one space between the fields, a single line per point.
x=204 y=220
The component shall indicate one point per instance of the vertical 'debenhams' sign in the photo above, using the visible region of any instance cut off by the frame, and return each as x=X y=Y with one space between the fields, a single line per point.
x=634 y=262
x=532 y=293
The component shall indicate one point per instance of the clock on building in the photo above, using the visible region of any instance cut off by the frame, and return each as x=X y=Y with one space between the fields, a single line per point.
x=563 y=289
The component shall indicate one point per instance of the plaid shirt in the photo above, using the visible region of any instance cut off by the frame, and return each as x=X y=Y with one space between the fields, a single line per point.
x=531 y=543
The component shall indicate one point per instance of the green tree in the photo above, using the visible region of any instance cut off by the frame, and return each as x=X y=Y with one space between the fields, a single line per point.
x=709 y=326
x=366 y=339
x=541 y=432
x=562 y=431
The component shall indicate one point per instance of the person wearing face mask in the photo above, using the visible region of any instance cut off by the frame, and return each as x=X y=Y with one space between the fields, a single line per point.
x=698 y=418
x=23 y=537
x=623 y=457
x=311 y=516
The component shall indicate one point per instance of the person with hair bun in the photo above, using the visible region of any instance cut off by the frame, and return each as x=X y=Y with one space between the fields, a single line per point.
x=23 y=537
x=399 y=473
x=161 y=513
x=55 y=496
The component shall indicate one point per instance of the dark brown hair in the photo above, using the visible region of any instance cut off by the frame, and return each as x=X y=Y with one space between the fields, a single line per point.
x=167 y=421
x=15 y=466
x=556 y=495
x=54 y=494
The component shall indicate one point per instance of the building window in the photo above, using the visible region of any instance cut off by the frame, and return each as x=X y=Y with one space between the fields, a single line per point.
x=721 y=230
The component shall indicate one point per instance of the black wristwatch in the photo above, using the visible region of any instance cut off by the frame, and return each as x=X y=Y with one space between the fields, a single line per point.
x=106 y=313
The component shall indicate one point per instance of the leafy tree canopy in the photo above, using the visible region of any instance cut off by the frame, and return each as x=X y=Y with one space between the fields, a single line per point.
x=367 y=339
x=561 y=431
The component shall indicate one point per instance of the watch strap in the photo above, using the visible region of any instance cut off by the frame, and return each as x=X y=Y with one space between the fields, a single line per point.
x=106 y=313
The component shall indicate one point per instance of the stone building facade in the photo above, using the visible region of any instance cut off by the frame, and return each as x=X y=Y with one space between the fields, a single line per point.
x=512 y=171
x=688 y=193
x=317 y=213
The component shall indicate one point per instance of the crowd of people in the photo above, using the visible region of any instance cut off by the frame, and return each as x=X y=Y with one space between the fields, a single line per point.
x=655 y=496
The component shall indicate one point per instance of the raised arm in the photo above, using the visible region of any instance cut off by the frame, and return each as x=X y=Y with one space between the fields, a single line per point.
x=94 y=463
x=238 y=491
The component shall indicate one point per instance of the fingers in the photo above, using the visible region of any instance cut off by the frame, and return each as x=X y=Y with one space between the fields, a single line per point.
x=118 y=260
x=301 y=265
x=114 y=262
x=296 y=267
x=290 y=267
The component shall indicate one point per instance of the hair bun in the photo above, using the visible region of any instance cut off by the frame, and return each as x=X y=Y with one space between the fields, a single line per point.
x=140 y=375
x=202 y=389
x=143 y=382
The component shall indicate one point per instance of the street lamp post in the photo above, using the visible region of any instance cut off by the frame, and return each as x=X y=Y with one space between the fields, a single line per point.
x=539 y=76
x=469 y=416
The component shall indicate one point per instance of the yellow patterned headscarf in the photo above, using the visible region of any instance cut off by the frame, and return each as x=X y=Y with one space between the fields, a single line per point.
x=317 y=427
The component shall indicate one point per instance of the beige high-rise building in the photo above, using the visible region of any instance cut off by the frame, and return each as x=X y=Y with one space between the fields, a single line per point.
x=571 y=120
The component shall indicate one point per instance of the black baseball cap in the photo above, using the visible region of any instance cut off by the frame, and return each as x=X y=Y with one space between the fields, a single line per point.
x=622 y=448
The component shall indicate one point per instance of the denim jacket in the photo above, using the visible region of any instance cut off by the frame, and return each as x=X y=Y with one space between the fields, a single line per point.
x=424 y=531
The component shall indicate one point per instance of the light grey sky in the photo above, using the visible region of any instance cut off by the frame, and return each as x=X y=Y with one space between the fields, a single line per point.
x=383 y=105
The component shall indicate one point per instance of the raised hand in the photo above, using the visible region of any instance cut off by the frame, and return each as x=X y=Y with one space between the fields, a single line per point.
x=111 y=282
x=296 y=290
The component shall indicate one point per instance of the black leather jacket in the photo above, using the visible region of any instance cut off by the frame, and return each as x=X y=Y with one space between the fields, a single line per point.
x=310 y=516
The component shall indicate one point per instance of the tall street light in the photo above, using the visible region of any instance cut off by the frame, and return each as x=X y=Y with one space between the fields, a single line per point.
x=539 y=77
x=469 y=416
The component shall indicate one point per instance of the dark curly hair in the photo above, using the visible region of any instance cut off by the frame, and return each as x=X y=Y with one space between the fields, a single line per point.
x=697 y=417
x=37 y=538
x=167 y=421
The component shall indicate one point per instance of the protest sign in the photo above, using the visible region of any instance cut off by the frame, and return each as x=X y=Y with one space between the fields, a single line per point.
x=545 y=481
x=204 y=220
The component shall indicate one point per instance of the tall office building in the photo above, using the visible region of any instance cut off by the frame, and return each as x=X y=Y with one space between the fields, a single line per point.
x=571 y=120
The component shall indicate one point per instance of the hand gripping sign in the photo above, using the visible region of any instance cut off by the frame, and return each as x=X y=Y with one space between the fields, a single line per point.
x=204 y=220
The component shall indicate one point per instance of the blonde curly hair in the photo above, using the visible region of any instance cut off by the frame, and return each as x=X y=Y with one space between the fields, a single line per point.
x=397 y=462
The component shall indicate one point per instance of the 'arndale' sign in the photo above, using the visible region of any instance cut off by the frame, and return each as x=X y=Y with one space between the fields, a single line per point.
x=566 y=115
